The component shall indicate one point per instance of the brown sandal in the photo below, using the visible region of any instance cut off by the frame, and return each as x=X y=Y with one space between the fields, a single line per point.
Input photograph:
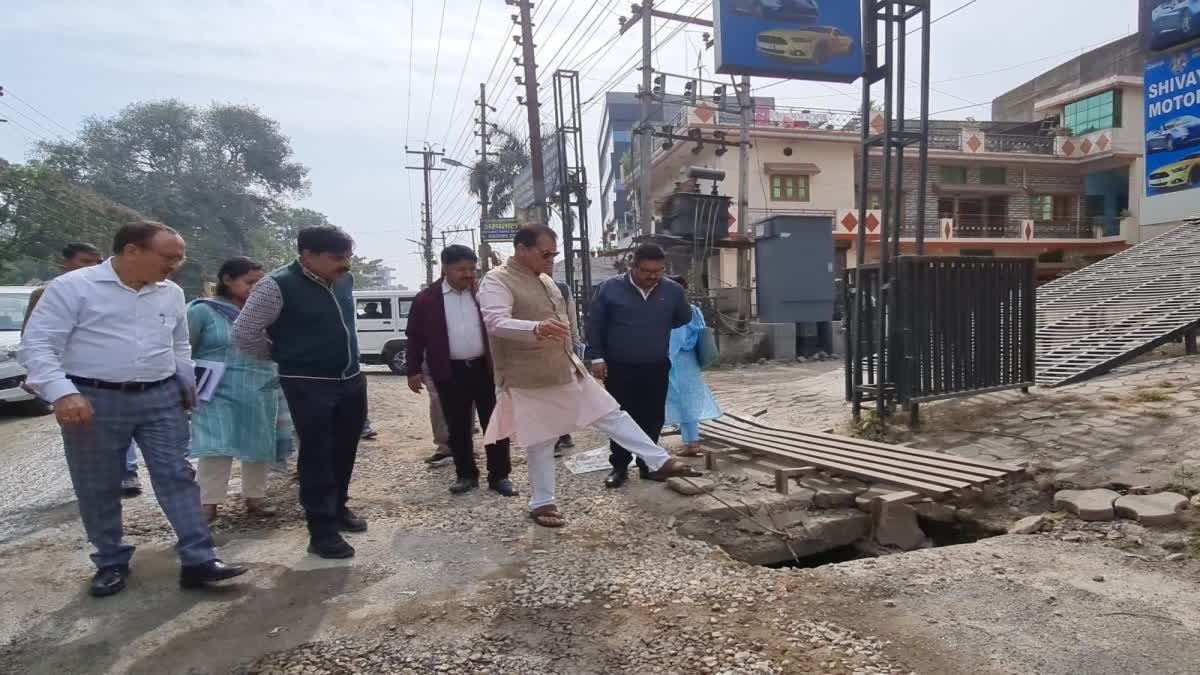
x=548 y=516
x=690 y=450
x=675 y=468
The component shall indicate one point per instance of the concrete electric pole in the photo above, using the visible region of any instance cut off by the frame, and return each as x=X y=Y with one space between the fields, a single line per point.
x=530 y=101
x=485 y=249
x=427 y=166
x=644 y=139
x=745 y=101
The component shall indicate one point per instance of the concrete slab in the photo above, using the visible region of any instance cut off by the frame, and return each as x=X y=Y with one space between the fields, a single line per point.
x=1045 y=614
x=898 y=527
x=1158 y=509
x=1094 y=505
x=1028 y=525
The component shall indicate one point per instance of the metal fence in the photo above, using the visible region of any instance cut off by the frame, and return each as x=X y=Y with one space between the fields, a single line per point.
x=966 y=326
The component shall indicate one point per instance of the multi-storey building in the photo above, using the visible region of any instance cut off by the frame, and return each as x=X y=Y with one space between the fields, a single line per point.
x=622 y=110
x=1057 y=175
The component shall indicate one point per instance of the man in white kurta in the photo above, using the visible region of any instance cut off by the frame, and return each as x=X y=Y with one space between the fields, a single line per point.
x=543 y=389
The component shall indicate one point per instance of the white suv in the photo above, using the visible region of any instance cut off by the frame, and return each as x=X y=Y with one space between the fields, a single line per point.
x=380 y=318
x=13 y=301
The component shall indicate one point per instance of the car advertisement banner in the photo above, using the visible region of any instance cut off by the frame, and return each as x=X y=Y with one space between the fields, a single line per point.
x=1163 y=24
x=1173 y=122
x=793 y=39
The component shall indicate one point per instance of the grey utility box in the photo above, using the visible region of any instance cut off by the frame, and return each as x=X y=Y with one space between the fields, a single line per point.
x=793 y=257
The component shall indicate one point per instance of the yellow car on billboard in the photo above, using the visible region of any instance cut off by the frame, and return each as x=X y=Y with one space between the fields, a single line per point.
x=1181 y=174
x=815 y=45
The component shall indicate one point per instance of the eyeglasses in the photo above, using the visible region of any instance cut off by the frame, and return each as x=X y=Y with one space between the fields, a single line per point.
x=546 y=255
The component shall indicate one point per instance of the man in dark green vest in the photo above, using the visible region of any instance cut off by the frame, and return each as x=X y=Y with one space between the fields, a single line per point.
x=302 y=317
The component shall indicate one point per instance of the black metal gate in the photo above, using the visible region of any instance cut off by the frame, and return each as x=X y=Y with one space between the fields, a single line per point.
x=967 y=327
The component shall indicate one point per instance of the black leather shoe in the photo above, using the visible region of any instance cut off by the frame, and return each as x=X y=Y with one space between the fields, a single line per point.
x=109 y=581
x=464 y=485
x=333 y=548
x=503 y=487
x=348 y=522
x=199 y=576
x=616 y=479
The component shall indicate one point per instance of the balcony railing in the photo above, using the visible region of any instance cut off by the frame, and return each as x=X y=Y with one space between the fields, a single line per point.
x=981 y=227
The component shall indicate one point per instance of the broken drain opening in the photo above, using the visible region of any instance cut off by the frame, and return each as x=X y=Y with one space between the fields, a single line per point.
x=833 y=556
x=956 y=532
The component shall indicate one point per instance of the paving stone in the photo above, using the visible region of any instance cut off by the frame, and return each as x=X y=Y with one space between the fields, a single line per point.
x=898 y=527
x=691 y=486
x=1029 y=525
x=1087 y=504
x=1160 y=509
x=938 y=513
x=832 y=493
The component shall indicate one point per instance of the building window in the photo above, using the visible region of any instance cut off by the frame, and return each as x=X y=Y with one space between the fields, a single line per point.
x=1102 y=111
x=1052 y=208
x=789 y=188
x=993 y=175
x=954 y=175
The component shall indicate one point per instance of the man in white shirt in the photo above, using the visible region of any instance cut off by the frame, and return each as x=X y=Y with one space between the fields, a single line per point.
x=445 y=330
x=108 y=346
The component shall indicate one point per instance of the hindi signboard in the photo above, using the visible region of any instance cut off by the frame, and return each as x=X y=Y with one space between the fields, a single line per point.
x=498 y=230
x=792 y=39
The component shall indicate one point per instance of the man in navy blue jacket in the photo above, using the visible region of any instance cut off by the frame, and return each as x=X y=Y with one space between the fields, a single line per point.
x=629 y=332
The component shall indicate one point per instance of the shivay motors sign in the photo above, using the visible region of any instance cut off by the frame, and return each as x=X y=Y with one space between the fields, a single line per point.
x=1173 y=122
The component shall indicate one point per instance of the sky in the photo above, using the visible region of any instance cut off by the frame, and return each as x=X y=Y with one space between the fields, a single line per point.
x=354 y=83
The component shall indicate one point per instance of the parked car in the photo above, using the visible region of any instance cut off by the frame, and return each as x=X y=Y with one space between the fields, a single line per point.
x=791 y=11
x=1182 y=174
x=13 y=301
x=813 y=46
x=1174 y=21
x=380 y=319
x=1181 y=131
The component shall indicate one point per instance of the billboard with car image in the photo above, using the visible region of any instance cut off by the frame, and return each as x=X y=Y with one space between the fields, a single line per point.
x=793 y=39
x=1166 y=24
x=1172 y=103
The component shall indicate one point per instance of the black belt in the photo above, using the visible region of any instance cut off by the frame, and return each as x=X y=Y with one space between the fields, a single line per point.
x=117 y=386
x=470 y=363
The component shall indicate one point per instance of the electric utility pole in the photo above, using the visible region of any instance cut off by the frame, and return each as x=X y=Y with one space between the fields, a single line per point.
x=485 y=249
x=645 y=12
x=530 y=101
x=743 y=205
x=427 y=166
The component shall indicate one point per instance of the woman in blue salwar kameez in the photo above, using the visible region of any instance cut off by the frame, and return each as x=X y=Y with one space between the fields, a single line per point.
x=689 y=400
x=246 y=418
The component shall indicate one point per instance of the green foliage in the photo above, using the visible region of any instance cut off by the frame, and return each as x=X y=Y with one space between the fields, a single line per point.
x=221 y=175
x=495 y=176
x=40 y=212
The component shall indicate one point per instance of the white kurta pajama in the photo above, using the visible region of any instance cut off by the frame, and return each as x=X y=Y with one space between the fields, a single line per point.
x=536 y=418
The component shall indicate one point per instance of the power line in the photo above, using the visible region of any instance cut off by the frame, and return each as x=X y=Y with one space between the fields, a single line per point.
x=463 y=73
x=412 y=22
x=27 y=104
x=30 y=119
x=437 y=58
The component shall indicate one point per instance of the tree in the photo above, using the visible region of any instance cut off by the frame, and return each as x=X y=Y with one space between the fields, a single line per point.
x=496 y=176
x=40 y=212
x=220 y=175
x=370 y=273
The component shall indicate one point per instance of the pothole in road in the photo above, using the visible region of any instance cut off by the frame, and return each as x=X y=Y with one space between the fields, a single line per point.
x=827 y=538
